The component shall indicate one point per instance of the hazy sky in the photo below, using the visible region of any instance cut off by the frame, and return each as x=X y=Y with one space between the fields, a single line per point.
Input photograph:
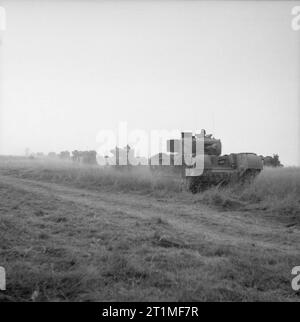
x=71 y=68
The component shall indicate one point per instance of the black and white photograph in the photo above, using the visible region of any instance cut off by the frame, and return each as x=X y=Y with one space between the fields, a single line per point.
x=149 y=153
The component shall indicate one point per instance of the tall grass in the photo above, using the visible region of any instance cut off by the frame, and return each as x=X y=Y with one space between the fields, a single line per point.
x=139 y=179
x=275 y=189
x=58 y=250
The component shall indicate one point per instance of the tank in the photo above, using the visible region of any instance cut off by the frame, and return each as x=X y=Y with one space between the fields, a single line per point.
x=203 y=165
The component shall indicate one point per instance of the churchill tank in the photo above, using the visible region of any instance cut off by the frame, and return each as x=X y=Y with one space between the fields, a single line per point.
x=200 y=160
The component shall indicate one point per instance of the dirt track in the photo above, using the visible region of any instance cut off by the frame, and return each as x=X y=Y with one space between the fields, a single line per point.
x=245 y=228
x=78 y=218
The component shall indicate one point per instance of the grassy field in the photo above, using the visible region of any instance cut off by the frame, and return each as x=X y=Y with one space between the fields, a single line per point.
x=77 y=233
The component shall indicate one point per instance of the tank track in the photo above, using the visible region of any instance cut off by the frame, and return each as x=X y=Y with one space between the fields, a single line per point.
x=207 y=180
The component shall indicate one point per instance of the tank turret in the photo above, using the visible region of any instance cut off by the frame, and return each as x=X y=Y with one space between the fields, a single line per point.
x=212 y=146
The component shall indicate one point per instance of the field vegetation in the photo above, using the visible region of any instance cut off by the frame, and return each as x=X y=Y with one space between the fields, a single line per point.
x=83 y=233
x=275 y=190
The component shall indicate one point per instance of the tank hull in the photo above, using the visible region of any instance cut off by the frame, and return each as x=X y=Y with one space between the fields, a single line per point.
x=221 y=170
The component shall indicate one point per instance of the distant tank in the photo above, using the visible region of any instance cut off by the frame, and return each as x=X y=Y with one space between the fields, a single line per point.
x=273 y=161
x=217 y=169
